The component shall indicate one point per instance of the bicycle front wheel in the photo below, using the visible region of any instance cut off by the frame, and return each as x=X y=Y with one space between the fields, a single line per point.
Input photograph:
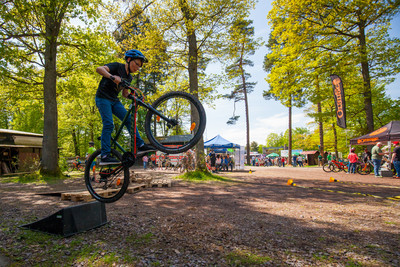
x=184 y=122
x=109 y=182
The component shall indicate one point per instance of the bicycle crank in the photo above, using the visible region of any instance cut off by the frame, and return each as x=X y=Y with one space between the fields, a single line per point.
x=128 y=159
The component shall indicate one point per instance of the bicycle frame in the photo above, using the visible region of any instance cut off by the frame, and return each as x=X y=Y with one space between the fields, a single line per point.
x=136 y=102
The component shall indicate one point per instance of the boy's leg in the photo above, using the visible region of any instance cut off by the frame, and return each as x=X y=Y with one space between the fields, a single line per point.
x=119 y=110
x=105 y=109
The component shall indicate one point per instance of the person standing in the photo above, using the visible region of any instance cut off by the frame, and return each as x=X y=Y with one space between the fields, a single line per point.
x=353 y=158
x=213 y=160
x=367 y=155
x=160 y=161
x=218 y=163
x=329 y=157
x=319 y=160
x=376 y=156
x=153 y=159
x=145 y=160
x=229 y=162
x=396 y=158
x=299 y=160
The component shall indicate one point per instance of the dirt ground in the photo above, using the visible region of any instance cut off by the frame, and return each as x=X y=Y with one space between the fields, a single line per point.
x=255 y=219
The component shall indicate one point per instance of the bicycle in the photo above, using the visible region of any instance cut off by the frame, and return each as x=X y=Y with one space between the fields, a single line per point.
x=174 y=115
x=336 y=166
x=76 y=165
x=365 y=168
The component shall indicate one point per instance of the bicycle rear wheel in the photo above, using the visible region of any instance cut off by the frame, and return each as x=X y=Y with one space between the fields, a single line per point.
x=110 y=181
x=188 y=122
x=327 y=167
x=362 y=169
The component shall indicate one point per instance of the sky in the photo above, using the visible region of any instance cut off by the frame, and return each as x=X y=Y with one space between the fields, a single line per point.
x=265 y=116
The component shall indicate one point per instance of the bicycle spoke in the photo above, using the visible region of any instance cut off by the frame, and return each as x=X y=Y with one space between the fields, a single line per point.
x=109 y=182
x=185 y=124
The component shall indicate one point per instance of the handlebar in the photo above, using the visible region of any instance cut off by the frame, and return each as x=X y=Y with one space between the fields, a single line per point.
x=139 y=97
x=135 y=92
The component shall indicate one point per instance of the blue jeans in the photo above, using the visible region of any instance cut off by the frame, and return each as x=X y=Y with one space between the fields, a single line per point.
x=377 y=165
x=107 y=108
x=352 y=167
x=396 y=164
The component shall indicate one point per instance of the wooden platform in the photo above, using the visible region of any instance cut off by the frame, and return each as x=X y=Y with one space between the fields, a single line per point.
x=86 y=196
x=161 y=183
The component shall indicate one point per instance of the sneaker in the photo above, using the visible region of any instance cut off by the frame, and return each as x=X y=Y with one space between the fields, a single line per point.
x=379 y=176
x=146 y=148
x=108 y=160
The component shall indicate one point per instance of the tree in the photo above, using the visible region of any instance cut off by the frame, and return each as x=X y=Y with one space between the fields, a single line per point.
x=195 y=32
x=351 y=33
x=254 y=146
x=283 y=80
x=242 y=46
x=32 y=32
x=275 y=140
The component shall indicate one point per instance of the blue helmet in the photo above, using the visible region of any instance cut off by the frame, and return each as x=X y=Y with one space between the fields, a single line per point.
x=133 y=53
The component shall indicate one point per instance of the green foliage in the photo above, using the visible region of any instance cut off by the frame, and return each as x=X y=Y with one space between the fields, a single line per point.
x=254 y=146
x=200 y=176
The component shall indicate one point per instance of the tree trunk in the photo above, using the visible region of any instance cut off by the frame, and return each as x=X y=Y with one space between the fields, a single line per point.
x=320 y=124
x=290 y=132
x=366 y=78
x=75 y=142
x=321 y=132
x=193 y=76
x=335 y=136
x=246 y=104
x=50 y=130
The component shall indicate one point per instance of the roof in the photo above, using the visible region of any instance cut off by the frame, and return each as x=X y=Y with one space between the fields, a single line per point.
x=177 y=139
x=220 y=142
x=311 y=152
x=20 y=146
x=6 y=131
x=389 y=132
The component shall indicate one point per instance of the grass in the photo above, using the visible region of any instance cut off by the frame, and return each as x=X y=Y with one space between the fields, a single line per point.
x=139 y=240
x=37 y=178
x=245 y=258
x=200 y=176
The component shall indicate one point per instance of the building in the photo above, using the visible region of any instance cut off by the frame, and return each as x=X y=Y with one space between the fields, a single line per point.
x=18 y=150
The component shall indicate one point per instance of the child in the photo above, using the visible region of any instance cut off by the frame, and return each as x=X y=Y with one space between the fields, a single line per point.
x=353 y=158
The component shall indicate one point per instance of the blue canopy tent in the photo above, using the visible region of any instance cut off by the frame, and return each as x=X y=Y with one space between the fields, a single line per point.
x=219 y=142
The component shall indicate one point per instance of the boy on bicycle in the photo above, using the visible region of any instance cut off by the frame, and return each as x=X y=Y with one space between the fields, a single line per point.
x=108 y=103
x=77 y=161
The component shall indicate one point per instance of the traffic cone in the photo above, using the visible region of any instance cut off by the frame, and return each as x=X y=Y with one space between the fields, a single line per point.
x=332 y=180
x=290 y=182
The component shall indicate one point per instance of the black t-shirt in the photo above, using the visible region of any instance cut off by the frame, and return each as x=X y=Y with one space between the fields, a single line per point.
x=397 y=155
x=107 y=88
